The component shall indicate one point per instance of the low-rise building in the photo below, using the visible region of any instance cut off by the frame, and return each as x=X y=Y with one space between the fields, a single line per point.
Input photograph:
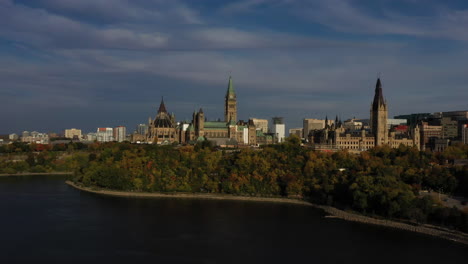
x=73 y=133
x=13 y=137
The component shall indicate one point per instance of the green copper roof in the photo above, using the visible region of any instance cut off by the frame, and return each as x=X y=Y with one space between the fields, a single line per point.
x=214 y=124
x=240 y=128
x=230 y=90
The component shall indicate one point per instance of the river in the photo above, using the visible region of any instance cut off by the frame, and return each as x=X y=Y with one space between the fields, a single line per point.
x=44 y=220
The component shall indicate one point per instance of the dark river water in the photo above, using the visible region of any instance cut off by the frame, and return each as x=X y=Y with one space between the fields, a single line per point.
x=43 y=220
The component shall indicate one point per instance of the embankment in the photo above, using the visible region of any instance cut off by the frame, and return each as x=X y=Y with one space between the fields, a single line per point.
x=334 y=212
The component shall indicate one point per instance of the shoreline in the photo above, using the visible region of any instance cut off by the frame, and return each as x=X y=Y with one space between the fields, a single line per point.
x=333 y=213
x=35 y=173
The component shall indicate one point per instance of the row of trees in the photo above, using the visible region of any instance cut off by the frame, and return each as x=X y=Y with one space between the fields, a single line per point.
x=382 y=181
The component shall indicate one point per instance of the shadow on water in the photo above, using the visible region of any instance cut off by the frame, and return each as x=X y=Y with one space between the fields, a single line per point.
x=43 y=219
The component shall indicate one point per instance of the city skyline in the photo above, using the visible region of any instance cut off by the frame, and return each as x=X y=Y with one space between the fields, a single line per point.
x=293 y=59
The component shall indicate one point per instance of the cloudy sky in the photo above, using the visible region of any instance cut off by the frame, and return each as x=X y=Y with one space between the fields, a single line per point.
x=90 y=63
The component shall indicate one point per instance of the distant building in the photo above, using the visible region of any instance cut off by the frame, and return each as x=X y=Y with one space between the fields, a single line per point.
x=261 y=124
x=91 y=136
x=429 y=134
x=309 y=124
x=73 y=133
x=449 y=128
x=396 y=122
x=465 y=134
x=105 y=134
x=414 y=119
x=279 y=129
x=352 y=124
x=456 y=115
x=142 y=129
x=26 y=134
x=441 y=144
x=296 y=131
x=35 y=137
x=13 y=137
x=120 y=133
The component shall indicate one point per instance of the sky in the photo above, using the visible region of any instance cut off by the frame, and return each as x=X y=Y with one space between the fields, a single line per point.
x=103 y=63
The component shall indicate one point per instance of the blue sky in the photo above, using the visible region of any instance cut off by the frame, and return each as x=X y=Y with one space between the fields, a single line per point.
x=90 y=63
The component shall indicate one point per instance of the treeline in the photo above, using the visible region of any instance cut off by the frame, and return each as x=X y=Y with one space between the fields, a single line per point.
x=381 y=182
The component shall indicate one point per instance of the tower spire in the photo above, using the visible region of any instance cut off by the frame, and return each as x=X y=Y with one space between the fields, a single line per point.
x=230 y=90
x=230 y=106
x=378 y=97
x=162 y=107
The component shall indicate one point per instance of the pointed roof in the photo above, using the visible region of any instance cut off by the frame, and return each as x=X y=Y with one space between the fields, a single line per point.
x=326 y=121
x=378 y=97
x=230 y=90
x=162 y=107
x=336 y=120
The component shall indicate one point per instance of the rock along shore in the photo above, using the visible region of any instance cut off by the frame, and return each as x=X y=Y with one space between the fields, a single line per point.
x=441 y=232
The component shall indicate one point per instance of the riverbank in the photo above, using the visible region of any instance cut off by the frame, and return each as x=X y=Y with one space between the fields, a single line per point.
x=35 y=173
x=334 y=212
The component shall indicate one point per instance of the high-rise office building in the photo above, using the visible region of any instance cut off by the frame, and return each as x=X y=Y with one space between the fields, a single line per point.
x=105 y=134
x=120 y=133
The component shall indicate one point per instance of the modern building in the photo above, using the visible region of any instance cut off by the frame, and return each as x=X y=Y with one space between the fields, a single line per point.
x=449 y=128
x=309 y=124
x=279 y=129
x=73 y=133
x=142 y=129
x=396 y=122
x=105 y=134
x=120 y=133
x=13 y=137
x=413 y=120
x=334 y=137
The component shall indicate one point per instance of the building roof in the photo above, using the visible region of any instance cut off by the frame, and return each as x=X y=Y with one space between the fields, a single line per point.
x=215 y=124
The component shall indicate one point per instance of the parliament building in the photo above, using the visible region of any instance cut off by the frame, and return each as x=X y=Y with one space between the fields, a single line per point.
x=336 y=136
x=231 y=132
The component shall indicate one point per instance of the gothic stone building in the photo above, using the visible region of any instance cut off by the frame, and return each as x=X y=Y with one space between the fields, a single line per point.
x=162 y=130
x=227 y=132
x=335 y=136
